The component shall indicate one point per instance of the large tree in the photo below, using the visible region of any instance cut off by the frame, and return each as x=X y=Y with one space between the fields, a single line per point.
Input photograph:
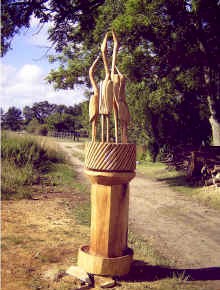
x=12 y=119
x=39 y=111
x=64 y=15
x=179 y=40
x=61 y=122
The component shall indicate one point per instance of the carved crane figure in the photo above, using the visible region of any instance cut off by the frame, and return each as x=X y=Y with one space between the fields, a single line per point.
x=110 y=96
x=116 y=84
x=94 y=100
x=123 y=112
x=120 y=106
x=106 y=93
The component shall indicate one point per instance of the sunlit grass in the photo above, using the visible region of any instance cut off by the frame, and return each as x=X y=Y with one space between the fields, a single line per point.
x=177 y=180
x=24 y=160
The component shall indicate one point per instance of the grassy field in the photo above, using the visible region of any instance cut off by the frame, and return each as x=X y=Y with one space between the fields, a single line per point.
x=41 y=235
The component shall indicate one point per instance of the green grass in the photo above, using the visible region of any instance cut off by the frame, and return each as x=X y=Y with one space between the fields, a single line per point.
x=24 y=161
x=60 y=174
x=156 y=170
x=79 y=155
x=82 y=213
x=177 y=180
x=15 y=179
x=24 y=149
x=144 y=250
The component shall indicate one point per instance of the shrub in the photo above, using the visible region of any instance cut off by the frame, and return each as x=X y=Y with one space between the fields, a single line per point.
x=42 y=130
x=34 y=127
x=15 y=178
x=24 y=150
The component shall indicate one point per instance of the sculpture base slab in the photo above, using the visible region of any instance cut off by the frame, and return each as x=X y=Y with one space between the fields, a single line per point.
x=104 y=266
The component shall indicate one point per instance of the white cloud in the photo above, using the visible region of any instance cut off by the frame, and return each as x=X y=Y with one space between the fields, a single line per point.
x=34 y=22
x=30 y=73
x=24 y=86
x=6 y=72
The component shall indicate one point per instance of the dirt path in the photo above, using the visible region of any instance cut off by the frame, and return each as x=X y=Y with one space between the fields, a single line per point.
x=185 y=232
x=69 y=148
x=181 y=229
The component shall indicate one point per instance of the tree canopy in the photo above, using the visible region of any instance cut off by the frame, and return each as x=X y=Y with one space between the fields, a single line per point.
x=64 y=15
x=12 y=119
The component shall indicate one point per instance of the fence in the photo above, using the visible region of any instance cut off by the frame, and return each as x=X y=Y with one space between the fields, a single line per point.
x=65 y=135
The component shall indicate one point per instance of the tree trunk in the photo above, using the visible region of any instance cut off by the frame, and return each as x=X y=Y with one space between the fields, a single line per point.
x=215 y=125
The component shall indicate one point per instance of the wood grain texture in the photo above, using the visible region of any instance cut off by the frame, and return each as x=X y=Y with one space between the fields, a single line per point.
x=109 y=178
x=94 y=100
x=110 y=156
x=98 y=265
x=109 y=219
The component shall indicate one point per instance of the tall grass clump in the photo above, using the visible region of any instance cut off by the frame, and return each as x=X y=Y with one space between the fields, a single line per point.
x=24 y=159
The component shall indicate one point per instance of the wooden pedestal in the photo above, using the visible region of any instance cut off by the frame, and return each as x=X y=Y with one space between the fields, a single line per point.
x=108 y=253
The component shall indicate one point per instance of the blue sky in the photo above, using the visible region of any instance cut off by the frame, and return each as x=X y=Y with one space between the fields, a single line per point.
x=23 y=72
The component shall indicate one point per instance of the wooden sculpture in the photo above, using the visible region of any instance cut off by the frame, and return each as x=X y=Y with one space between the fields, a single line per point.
x=116 y=84
x=110 y=167
x=94 y=101
x=110 y=96
x=123 y=112
x=106 y=93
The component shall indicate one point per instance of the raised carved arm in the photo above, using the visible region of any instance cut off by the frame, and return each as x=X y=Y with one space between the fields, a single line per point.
x=104 y=54
x=91 y=76
x=114 y=55
x=121 y=96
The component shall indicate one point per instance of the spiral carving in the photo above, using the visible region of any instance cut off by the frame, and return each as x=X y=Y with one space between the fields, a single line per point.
x=110 y=156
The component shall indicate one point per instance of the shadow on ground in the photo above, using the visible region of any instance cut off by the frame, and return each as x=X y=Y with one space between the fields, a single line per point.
x=179 y=181
x=142 y=272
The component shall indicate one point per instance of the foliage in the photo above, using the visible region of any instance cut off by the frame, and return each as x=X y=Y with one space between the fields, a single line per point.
x=39 y=111
x=44 y=116
x=12 y=119
x=60 y=122
x=84 y=116
x=25 y=149
x=34 y=127
x=64 y=15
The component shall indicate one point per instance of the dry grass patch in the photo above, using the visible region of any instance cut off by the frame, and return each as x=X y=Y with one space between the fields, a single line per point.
x=38 y=235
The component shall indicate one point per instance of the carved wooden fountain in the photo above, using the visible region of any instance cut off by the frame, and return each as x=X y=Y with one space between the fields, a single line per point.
x=110 y=167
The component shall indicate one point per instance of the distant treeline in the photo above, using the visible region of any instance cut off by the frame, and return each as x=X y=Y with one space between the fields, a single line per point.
x=44 y=118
